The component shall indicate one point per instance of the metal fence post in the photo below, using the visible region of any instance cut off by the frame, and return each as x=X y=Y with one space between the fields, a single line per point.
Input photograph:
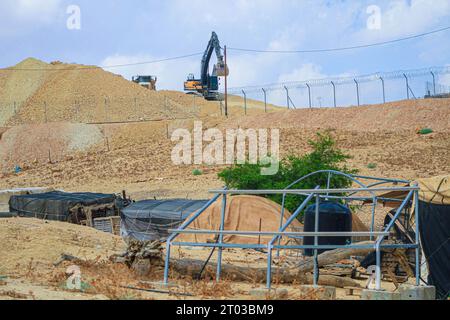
x=265 y=100
x=316 y=242
x=287 y=97
x=106 y=110
x=357 y=91
x=334 y=93
x=384 y=90
x=434 y=82
x=417 y=220
x=222 y=226
x=245 y=102
x=407 y=86
x=309 y=94
x=45 y=111
x=167 y=263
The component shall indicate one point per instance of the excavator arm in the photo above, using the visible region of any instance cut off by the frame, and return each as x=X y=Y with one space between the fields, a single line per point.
x=220 y=69
x=208 y=84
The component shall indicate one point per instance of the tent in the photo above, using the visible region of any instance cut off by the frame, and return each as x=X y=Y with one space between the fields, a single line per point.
x=151 y=219
x=243 y=213
x=434 y=224
x=69 y=207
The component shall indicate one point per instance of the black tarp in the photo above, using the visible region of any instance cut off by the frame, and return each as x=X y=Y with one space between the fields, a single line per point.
x=58 y=205
x=435 y=235
x=151 y=219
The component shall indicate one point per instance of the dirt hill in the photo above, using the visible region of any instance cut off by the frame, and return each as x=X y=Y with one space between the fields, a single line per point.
x=394 y=116
x=36 y=92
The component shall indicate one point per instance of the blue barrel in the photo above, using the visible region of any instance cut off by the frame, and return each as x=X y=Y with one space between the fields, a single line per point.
x=333 y=217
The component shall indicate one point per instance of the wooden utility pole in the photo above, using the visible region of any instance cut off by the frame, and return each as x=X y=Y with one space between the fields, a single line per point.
x=226 y=82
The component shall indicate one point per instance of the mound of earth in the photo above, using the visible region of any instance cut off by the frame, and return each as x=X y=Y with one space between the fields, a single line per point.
x=36 y=92
x=390 y=117
x=26 y=145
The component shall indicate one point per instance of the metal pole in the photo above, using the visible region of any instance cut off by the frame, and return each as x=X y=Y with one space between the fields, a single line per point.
x=222 y=226
x=45 y=111
x=434 y=82
x=384 y=91
x=372 y=224
x=283 y=203
x=166 y=264
x=316 y=243
x=226 y=83
x=309 y=94
x=378 y=266
x=106 y=110
x=245 y=102
x=287 y=97
x=407 y=86
x=269 y=265
x=334 y=93
x=182 y=227
x=265 y=100
x=417 y=218
x=357 y=91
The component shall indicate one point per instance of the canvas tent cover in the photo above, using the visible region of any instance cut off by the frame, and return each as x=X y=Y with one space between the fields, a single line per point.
x=151 y=219
x=434 y=202
x=59 y=206
x=243 y=213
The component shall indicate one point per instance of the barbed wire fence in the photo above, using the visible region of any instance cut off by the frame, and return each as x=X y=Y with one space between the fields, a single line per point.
x=346 y=91
x=92 y=109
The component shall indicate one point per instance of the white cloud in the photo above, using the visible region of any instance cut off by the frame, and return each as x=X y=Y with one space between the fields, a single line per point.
x=31 y=10
x=308 y=71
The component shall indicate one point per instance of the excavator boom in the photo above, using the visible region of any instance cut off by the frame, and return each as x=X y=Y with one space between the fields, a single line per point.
x=208 y=85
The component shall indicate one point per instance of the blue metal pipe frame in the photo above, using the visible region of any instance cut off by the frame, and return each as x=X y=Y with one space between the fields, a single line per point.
x=378 y=246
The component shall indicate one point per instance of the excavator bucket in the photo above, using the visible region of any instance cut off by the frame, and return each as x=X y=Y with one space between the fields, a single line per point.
x=222 y=70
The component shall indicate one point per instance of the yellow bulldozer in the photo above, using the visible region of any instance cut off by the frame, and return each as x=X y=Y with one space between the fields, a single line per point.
x=148 y=82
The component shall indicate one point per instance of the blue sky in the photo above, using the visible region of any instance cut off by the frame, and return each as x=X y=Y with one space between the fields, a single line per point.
x=119 y=31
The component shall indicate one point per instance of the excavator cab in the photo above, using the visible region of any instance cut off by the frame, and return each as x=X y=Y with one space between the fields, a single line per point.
x=192 y=85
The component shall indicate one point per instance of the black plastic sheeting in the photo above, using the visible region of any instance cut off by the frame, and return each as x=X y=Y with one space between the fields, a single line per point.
x=56 y=205
x=435 y=236
x=150 y=220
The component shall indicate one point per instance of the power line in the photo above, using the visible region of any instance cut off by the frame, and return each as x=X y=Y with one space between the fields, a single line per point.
x=344 y=48
x=231 y=48
x=104 y=67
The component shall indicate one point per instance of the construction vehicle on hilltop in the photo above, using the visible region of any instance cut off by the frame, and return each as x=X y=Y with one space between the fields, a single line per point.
x=148 y=82
x=208 y=84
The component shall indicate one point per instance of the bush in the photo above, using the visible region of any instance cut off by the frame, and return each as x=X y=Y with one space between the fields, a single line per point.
x=197 y=172
x=325 y=156
x=372 y=166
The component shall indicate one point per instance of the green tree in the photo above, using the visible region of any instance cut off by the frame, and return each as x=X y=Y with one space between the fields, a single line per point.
x=324 y=156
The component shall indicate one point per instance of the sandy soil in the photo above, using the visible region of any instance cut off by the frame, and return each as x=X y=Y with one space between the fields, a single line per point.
x=33 y=246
